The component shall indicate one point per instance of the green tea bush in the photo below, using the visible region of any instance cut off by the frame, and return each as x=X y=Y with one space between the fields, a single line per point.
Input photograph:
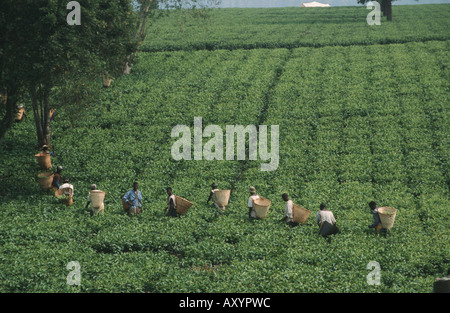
x=358 y=122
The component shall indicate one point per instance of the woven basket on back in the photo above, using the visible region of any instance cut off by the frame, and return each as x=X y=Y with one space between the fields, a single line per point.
x=97 y=197
x=222 y=197
x=106 y=82
x=63 y=191
x=98 y=210
x=182 y=205
x=261 y=207
x=387 y=216
x=19 y=114
x=300 y=214
x=68 y=193
x=68 y=201
x=44 y=160
x=45 y=180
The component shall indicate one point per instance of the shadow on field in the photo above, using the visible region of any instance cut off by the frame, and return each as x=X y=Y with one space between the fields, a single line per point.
x=18 y=170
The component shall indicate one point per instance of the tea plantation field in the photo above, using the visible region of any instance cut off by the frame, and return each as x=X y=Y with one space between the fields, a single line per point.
x=363 y=114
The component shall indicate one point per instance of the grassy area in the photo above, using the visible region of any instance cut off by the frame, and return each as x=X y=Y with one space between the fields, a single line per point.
x=296 y=27
x=357 y=123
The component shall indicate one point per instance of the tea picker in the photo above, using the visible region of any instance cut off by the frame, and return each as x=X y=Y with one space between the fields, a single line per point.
x=376 y=218
x=171 y=203
x=93 y=187
x=67 y=187
x=387 y=218
x=67 y=190
x=211 y=194
x=52 y=113
x=57 y=178
x=133 y=200
x=258 y=206
x=326 y=222
x=46 y=150
x=44 y=158
x=288 y=211
x=220 y=197
x=96 y=197
x=250 y=205
x=20 y=113
x=176 y=205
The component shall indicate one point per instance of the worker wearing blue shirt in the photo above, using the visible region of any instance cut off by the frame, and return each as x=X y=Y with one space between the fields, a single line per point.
x=134 y=199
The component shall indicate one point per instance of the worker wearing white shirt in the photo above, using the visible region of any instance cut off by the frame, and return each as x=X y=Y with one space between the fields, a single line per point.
x=326 y=222
x=325 y=215
x=253 y=196
x=288 y=211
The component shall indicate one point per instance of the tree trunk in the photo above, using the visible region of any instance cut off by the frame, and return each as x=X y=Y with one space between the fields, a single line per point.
x=383 y=7
x=140 y=27
x=10 y=113
x=37 y=119
x=41 y=112
x=46 y=121
x=142 y=33
x=389 y=10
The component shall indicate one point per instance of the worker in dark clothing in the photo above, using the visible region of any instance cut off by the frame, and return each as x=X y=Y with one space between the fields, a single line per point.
x=57 y=178
x=376 y=218
x=171 y=203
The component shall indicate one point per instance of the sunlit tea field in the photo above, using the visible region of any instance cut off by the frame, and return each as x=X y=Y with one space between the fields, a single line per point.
x=363 y=114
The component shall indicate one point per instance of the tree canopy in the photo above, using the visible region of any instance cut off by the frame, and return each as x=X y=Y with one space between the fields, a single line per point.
x=39 y=49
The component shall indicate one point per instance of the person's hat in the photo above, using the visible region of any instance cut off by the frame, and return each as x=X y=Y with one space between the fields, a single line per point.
x=93 y=187
x=20 y=106
x=59 y=168
x=252 y=189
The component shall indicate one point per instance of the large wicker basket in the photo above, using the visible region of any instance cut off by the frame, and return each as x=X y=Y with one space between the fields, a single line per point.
x=63 y=192
x=68 y=201
x=19 y=114
x=98 y=210
x=97 y=197
x=222 y=197
x=387 y=216
x=182 y=205
x=106 y=82
x=261 y=207
x=45 y=180
x=300 y=214
x=44 y=160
